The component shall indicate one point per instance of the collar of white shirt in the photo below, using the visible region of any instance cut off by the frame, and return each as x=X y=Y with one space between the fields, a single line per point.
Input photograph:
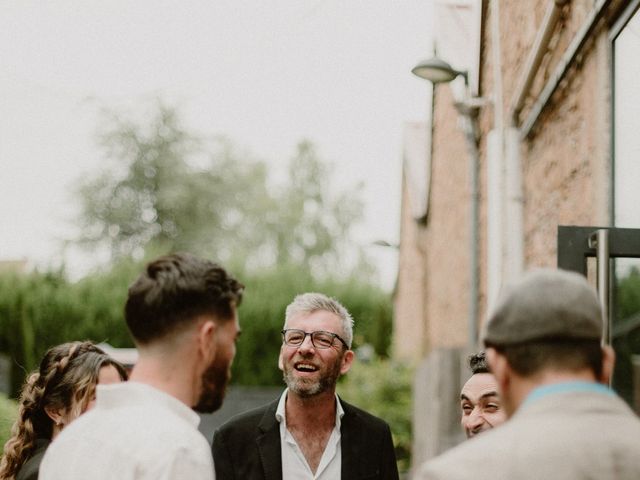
x=294 y=464
x=131 y=393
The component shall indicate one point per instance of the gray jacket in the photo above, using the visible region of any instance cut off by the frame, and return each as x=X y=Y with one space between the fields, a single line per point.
x=568 y=436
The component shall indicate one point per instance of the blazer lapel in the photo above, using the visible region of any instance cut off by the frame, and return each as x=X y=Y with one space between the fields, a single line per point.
x=269 y=444
x=351 y=444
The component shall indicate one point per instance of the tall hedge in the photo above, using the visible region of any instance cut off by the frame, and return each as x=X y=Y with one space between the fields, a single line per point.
x=8 y=415
x=40 y=310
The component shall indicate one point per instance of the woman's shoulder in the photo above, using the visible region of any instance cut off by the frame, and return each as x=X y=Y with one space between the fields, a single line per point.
x=30 y=468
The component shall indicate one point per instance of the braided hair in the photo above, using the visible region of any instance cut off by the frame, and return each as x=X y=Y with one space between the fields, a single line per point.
x=64 y=382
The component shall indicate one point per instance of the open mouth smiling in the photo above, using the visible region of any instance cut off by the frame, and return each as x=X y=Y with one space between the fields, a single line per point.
x=305 y=367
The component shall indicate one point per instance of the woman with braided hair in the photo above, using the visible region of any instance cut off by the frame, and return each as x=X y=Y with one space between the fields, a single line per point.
x=54 y=395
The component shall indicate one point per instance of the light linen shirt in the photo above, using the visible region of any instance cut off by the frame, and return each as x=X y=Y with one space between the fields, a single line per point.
x=294 y=464
x=134 y=432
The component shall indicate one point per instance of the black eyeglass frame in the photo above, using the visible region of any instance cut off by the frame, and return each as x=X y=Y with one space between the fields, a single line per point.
x=311 y=334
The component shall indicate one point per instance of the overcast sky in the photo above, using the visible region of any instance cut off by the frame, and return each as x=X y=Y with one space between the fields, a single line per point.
x=264 y=73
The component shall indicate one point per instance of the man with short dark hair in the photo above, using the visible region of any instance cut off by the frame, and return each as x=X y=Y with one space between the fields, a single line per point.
x=181 y=312
x=543 y=345
x=309 y=432
x=479 y=399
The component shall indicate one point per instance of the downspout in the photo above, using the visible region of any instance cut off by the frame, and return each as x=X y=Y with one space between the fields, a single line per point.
x=495 y=168
x=471 y=135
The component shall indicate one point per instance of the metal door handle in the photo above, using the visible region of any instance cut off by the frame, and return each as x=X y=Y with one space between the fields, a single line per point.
x=599 y=240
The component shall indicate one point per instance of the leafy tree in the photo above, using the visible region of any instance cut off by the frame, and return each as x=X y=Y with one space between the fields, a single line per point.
x=162 y=185
x=311 y=227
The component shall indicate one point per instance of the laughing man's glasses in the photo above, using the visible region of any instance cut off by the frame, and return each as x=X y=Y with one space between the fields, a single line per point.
x=319 y=339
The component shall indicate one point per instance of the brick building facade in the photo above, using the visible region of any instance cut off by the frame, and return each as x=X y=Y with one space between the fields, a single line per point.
x=541 y=91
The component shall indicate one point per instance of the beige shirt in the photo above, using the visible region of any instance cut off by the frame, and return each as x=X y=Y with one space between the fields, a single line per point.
x=135 y=432
x=294 y=464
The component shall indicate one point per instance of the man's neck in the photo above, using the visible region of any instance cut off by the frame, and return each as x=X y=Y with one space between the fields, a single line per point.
x=164 y=376
x=522 y=387
x=318 y=411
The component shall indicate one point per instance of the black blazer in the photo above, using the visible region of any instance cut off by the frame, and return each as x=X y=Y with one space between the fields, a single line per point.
x=30 y=469
x=247 y=447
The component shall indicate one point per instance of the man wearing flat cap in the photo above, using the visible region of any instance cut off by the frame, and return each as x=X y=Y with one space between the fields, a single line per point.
x=543 y=344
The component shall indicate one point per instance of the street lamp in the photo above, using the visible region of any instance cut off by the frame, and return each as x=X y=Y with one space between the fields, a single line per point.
x=438 y=71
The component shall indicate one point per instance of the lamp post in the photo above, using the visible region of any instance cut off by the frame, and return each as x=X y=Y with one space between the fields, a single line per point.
x=438 y=71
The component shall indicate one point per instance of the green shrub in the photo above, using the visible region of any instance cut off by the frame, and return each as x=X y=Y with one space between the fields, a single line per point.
x=383 y=388
x=40 y=310
x=8 y=412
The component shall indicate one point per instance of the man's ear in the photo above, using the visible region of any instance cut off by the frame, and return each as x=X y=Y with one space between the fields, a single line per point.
x=347 y=360
x=280 y=359
x=206 y=334
x=608 y=362
x=499 y=367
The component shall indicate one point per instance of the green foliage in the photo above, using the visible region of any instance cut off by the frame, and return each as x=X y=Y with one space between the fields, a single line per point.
x=8 y=413
x=383 y=388
x=628 y=293
x=40 y=310
x=627 y=346
x=163 y=185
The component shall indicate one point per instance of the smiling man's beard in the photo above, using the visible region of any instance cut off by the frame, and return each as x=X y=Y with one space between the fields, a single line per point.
x=306 y=387
x=214 y=384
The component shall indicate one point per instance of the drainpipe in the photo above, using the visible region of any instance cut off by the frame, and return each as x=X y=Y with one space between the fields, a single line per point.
x=469 y=114
x=495 y=169
x=468 y=110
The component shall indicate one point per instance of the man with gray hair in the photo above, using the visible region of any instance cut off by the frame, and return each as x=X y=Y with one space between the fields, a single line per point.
x=309 y=432
x=543 y=345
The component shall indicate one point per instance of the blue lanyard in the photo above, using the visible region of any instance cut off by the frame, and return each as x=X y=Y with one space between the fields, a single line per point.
x=554 y=388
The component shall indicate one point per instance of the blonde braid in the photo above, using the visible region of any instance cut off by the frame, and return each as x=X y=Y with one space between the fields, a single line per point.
x=22 y=441
x=33 y=421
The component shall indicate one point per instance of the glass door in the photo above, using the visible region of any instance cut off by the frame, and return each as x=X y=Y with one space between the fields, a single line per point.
x=610 y=258
x=625 y=304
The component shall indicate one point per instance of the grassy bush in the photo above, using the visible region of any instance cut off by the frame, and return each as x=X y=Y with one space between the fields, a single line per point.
x=40 y=310
x=8 y=412
x=383 y=388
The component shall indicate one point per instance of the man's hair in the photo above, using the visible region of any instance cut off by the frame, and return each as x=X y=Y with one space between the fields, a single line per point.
x=308 y=303
x=176 y=289
x=478 y=363
x=530 y=358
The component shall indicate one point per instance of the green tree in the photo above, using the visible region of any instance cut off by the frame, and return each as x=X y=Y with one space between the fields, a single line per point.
x=162 y=185
x=312 y=226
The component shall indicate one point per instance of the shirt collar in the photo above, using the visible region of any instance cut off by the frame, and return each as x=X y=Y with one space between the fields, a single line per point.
x=282 y=417
x=136 y=393
x=555 y=388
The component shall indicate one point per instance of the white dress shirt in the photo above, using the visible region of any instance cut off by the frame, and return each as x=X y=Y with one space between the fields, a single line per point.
x=134 y=432
x=294 y=464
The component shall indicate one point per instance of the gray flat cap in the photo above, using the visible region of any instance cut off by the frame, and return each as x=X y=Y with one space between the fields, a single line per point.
x=546 y=304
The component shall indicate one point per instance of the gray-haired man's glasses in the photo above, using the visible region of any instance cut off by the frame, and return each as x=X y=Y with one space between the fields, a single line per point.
x=319 y=338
